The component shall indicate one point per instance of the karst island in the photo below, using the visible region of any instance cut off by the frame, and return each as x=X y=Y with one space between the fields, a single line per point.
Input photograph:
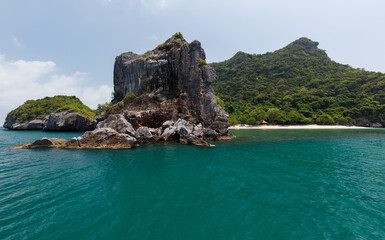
x=162 y=95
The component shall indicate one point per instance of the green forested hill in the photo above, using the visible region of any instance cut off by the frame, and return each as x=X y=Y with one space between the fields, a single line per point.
x=45 y=106
x=298 y=84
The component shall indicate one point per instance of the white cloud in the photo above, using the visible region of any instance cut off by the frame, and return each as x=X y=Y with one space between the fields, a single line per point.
x=15 y=41
x=22 y=80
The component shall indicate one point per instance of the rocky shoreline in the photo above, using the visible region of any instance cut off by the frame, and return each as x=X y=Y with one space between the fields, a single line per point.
x=117 y=133
x=310 y=126
x=162 y=95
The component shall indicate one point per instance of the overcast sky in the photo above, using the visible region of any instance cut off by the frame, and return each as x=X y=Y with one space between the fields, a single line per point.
x=69 y=46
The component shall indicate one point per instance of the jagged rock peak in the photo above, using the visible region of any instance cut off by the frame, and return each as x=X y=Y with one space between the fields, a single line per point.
x=307 y=43
x=162 y=68
x=170 y=82
x=176 y=40
x=173 y=43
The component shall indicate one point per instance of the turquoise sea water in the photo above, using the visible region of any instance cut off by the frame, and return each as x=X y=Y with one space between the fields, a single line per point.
x=265 y=184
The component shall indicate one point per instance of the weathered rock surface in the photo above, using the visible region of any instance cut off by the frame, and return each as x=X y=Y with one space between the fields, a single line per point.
x=103 y=138
x=376 y=125
x=108 y=138
x=198 y=130
x=119 y=123
x=143 y=134
x=167 y=97
x=364 y=122
x=66 y=121
x=210 y=133
x=69 y=121
x=35 y=124
x=43 y=143
x=171 y=82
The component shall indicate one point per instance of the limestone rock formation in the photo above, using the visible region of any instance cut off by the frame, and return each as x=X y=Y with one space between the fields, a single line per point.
x=69 y=121
x=118 y=123
x=167 y=96
x=364 y=122
x=65 y=121
x=36 y=124
x=43 y=143
x=108 y=138
x=170 y=82
x=57 y=113
x=103 y=138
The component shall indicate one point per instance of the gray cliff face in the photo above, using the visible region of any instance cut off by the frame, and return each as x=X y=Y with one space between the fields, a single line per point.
x=61 y=121
x=69 y=121
x=36 y=124
x=171 y=82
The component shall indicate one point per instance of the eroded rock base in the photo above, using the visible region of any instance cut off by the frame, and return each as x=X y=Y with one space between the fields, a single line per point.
x=117 y=133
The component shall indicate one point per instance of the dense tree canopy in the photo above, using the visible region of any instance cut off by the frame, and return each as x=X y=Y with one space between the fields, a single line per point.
x=298 y=84
x=45 y=106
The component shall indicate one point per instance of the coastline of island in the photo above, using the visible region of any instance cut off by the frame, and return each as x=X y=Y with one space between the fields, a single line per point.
x=310 y=126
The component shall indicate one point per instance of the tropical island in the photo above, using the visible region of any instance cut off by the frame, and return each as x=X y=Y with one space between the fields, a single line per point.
x=167 y=94
x=161 y=95
x=299 y=84
x=58 y=113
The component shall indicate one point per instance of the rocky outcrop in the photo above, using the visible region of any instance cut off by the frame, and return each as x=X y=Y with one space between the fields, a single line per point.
x=36 y=124
x=180 y=131
x=65 y=121
x=57 y=113
x=170 y=82
x=143 y=134
x=119 y=123
x=69 y=121
x=43 y=143
x=167 y=96
x=102 y=138
x=364 y=122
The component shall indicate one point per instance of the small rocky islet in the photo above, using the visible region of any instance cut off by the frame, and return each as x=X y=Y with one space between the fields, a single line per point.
x=162 y=95
x=58 y=113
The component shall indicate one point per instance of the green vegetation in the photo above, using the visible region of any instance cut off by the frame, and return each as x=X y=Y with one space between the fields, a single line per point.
x=302 y=84
x=220 y=102
x=119 y=105
x=273 y=115
x=202 y=63
x=147 y=54
x=129 y=97
x=116 y=96
x=103 y=107
x=45 y=106
x=257 y=116
x=114 y=108
x=178 y=35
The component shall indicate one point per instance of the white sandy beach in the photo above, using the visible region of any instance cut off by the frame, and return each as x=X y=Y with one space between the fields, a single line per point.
x=312 y=126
